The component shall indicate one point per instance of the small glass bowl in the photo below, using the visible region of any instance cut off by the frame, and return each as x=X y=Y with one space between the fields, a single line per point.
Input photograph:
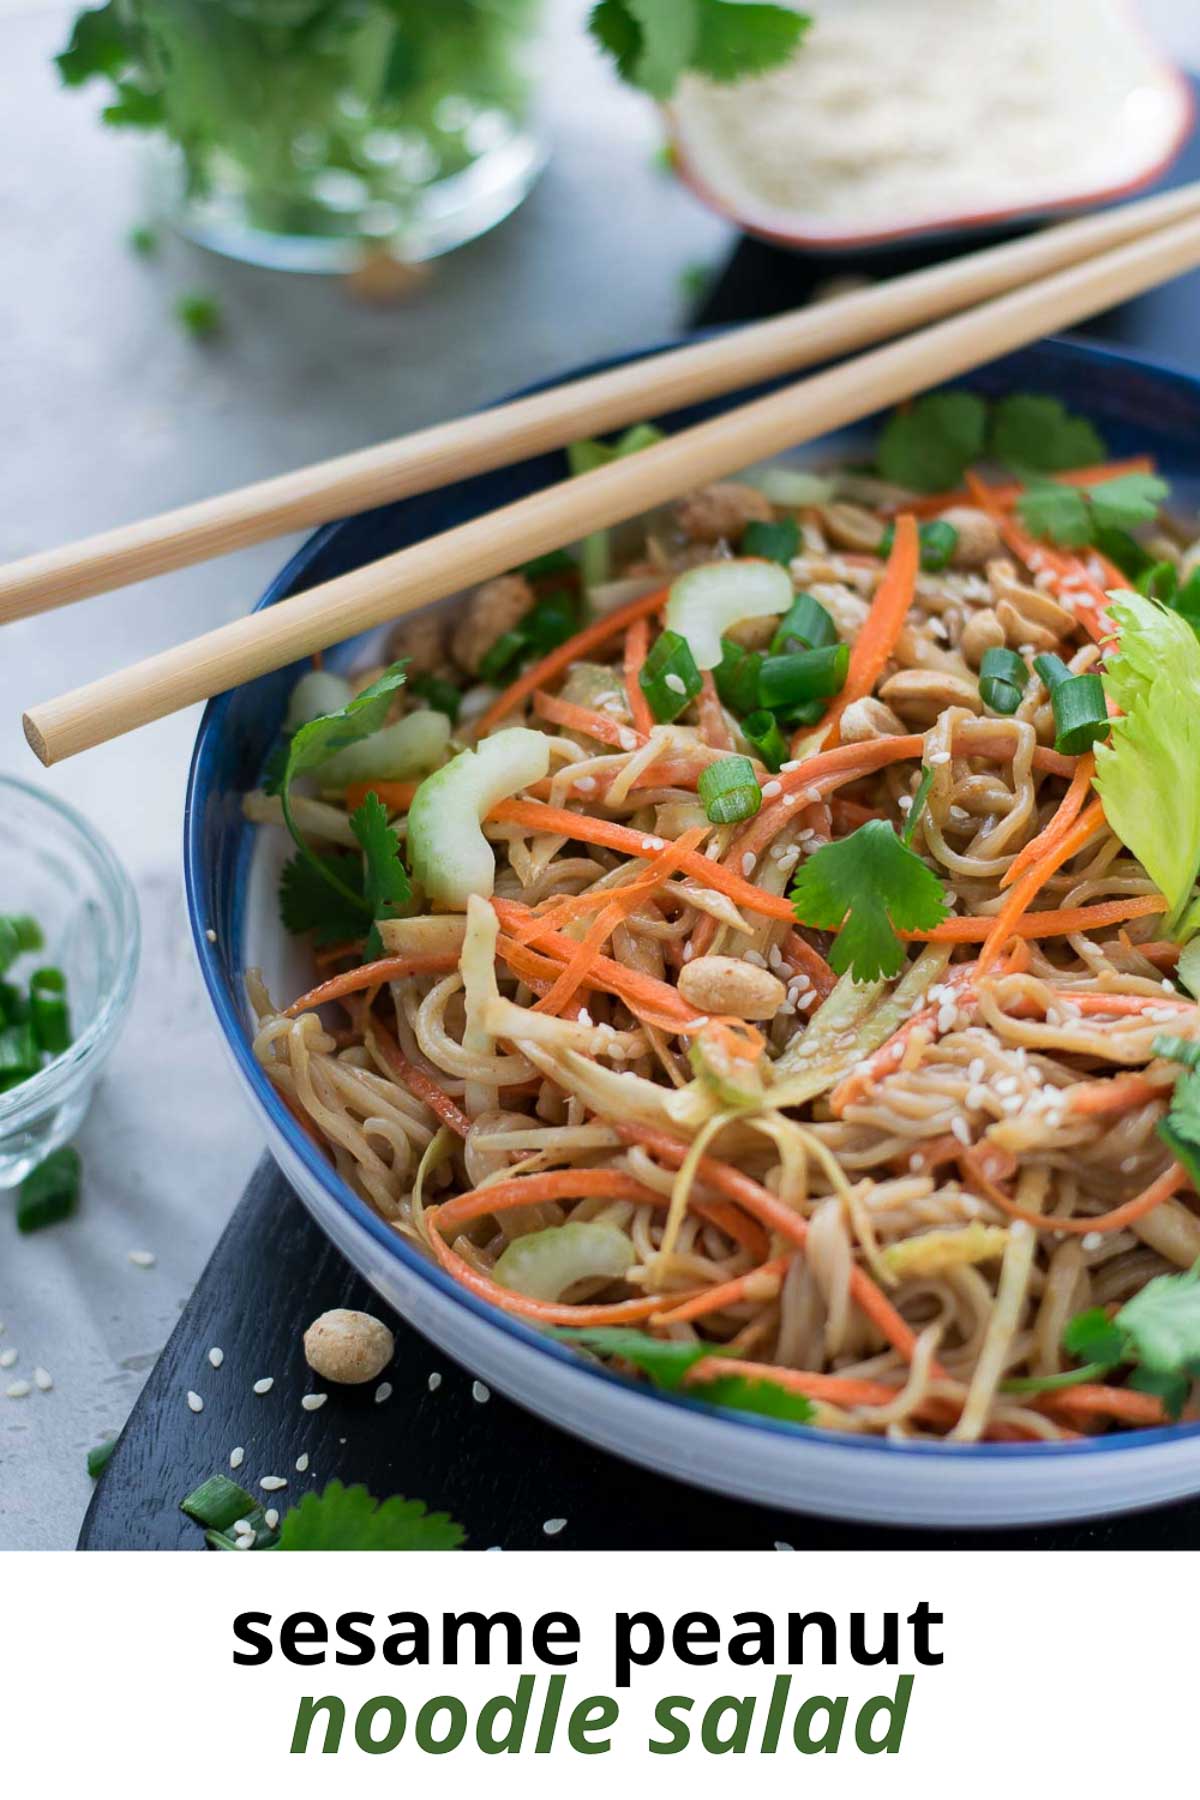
x=54 y=866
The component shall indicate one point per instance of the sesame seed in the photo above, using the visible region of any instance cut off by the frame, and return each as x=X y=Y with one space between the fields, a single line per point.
x=584 y=783
x=627 y=739
x=771 y=788
x=780 y=1545
x=938 y=758
x=216 y=1357
x=1092 y=1240
x=265 y=1385
x=43 y=1379
x=237 y=1457
x=552 y=1527
x=241 y=1527
x=302 y=1464
x=17 y=1390
x=480 y=1393
x=434 y=1382
x=787 y=767
x=211 y=935
x=748 y=861
x=312 y=1402
x=8 y=1358
x=675 y=683
x=689 y=950
x=383 y=1392
x=271 y=1484
x=194 y=1401
x=246 y=1541
x=142 y=1259
x=961 y=1130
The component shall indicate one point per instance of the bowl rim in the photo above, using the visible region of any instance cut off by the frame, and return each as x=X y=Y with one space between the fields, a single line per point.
x=805 y=232
x=322 y=1174
x=50 y=1086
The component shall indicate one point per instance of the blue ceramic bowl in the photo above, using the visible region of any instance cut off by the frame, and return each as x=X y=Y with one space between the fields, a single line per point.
x=230 y=873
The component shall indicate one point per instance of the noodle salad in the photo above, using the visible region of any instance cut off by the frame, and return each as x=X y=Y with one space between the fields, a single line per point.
x=756 y=946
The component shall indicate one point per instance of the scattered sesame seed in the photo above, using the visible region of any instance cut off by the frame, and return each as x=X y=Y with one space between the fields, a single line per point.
x=194 y=1401
x=748 y=861
x=584 y=783
x=787 y=767
x=1092 y=1240
x=434 y=1382
x=627 y=739
x=312 y=1402
x=271 y=1517
x=383 y=1392
x=43 y=1379
x=142 y=1259
x=689 y=950
x=480 y=1393
x=780 y=1545
x=265 y=1385
x=938 y=758
x=675 y=683
x=552 y=1527
x=271 y=1484
x=216 y=1357
x=17 y=1390
x=211 y=935
x=771 y=788
x=241 y=1527
x=302 y=1464
x=8 y=1358
x=246 y=1541
x=237 y=1457
x=961 y=1130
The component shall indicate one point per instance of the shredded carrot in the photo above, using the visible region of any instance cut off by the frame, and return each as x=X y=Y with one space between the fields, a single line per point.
x=973 y=929
x=929 y=504
x=1160 y=951
x=643 y=994
x=884 y=1060
x=974 y=1162
x=776 y=1216
x=1068 y=811
x=600 y=631
x=397 y=796
x=1016 y=904
x=1122 y=1006
x=531 y=1190
x=713 y=727
x=726 y=1293
x=1089 y=602
x=882 y=626
x=1115 y=1094
x=637 y=643
x=423 y=1086
x=1089 y=1398
x=800 y=954
x=373 y=974
x=353 y=947
x=601 y=726
x=735 y=1038
x=572 y=906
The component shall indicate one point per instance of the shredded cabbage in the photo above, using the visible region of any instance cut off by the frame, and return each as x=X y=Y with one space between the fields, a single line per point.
x=1148 y=776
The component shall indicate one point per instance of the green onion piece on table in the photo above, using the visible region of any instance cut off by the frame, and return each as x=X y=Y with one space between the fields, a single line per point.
x=729 y=790
x=218 y=1503
x=19 y=1055
x=51 y=1192
x=669 y=677
x=99 y=1457
x=18 y=933
x=761 y=731
x=48 y=1010
x=1003 y=678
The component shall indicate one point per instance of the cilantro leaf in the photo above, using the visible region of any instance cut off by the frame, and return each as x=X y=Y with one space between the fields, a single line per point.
x=667 y=1363
x=1093 y=1337
x=308 y=901
x=1060 y=514
x=763 y=1397
x=928 y=445
x=349 y=1518
x=1162 y=1323
x=1180 y=1130
x=736 y=39
x=100 y=45
x=668 y=30
x=1127 y=500
x=870 y=885
x=1034 y=431
x=617 y=31
x=385 y=880
x=315 y=742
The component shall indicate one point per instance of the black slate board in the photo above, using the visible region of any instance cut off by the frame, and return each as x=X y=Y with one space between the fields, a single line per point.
x=495 y=1467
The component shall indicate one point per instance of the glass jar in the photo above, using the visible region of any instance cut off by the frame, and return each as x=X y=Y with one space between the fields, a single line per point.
x=305 y=134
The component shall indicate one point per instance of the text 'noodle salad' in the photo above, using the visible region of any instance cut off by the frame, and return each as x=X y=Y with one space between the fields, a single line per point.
x=756 y=946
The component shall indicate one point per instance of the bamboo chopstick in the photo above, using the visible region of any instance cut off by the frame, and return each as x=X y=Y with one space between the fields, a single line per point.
x=599 y=403
x=543 y=521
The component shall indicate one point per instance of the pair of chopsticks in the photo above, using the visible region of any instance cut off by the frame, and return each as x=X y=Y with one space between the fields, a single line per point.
x=987 y=304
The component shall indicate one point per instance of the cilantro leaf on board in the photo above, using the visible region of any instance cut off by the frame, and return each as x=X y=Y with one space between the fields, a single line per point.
x=1036 y=432
x=1060 y=514
x=668 y=31
x=929 y=444
x=349 y=1518
x=315 y=742
x=667 y=1363
x=385 y=880
x=308 y=900
x=868 y=887
x=617 y=31
x=654 y=42
x=1127 y=500
x=736 y=40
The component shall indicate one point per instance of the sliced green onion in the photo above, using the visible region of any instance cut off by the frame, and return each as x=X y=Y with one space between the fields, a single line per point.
x=51 y=1192
x=917 y=807
x=806 y=626
x=1003 y=677
x=736 y=677
x=218 y=1502
x=775 y=540
x=938 y=540
x=1052 y=669
x=550 y=621
x=19 y=1054
x=502 y=655
x=99 y=1457
x=48 y=1010
x=582 y=458
x=555 y=562
x=1080 y=714
x=1159 y=581
x=14 y=1006
x=442 y=695
x=18 y=933
x=669 y=677
x=803 y=676
x=729 y=790
x=761 y=731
